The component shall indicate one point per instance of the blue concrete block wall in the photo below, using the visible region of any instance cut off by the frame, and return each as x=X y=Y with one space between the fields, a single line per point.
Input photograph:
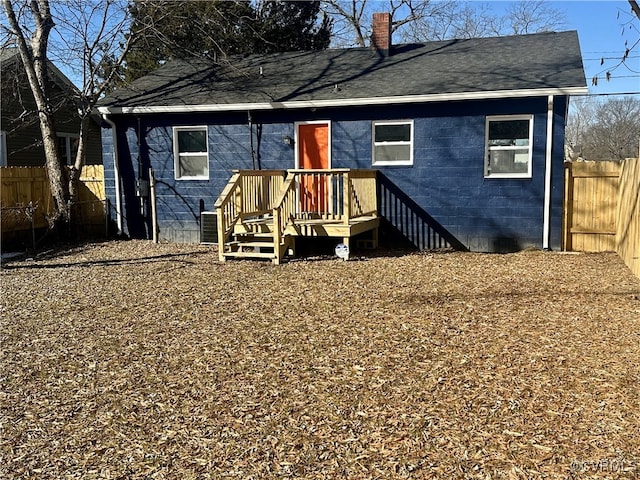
x=109 y=175
x=446 y=179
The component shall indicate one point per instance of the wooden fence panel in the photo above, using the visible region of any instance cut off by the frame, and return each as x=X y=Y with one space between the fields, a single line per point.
x=628 y=231
x=591 y=206
x=92 y=184
x=21 y=185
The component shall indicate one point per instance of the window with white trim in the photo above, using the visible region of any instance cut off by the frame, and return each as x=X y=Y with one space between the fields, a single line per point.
x=3 y=148
x=191 y=153
x=68 y=147
x=393 y=143
x=508 y=151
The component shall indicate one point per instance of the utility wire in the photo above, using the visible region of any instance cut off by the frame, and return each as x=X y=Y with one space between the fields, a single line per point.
x=604 y=94
x=608 y=58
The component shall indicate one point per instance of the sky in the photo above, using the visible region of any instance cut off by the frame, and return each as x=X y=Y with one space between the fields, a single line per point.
x=600 y=33
x=600 y=25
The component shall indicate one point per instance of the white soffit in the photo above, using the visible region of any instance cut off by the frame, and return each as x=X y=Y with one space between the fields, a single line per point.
x=343 y=102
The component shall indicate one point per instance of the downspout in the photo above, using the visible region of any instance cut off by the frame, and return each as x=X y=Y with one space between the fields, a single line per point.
x=253 y=151
x=116 y=172
x=547 y=176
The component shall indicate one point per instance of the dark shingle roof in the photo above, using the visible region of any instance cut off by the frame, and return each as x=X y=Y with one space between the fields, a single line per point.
x=524 y=62
x=10 y=56
x=8 y=53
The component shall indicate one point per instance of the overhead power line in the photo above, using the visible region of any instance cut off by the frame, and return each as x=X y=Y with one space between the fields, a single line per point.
x=609 y=58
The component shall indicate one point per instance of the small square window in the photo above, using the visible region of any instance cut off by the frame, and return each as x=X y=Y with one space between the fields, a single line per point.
x=508 y=146
x=68 y=147
x=191 y=153
x=393 y=143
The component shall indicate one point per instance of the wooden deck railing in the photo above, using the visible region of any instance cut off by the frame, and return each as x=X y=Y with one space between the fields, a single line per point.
x=335 y=196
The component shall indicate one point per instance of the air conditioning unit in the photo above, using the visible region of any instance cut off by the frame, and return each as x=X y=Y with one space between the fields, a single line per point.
x=208 y=228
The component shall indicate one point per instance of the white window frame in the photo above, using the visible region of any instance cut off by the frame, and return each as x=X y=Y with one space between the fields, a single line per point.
x=487 y=148
x=68 y=137
x=3 y=149
x=374 y=144
x=176 y=153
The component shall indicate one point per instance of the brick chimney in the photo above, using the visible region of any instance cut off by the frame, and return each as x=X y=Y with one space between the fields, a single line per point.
x=381 y=33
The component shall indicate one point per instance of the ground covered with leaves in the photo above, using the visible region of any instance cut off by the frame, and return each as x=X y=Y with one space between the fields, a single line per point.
x=133 y=360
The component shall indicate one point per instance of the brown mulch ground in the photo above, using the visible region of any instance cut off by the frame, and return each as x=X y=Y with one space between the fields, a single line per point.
x=134 y=360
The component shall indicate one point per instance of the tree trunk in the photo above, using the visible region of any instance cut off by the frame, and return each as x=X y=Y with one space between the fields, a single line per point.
x=76 y=169
x=56 y=172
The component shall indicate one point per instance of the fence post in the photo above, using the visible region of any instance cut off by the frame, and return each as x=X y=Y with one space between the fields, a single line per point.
x=568 y=208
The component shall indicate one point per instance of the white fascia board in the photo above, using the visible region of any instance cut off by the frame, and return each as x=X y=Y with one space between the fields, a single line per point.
x=344 y=102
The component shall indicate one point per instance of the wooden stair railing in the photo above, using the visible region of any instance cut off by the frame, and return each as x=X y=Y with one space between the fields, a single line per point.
x=228 y=211
x=249 y=194
x=361 y=189
x=283 y=215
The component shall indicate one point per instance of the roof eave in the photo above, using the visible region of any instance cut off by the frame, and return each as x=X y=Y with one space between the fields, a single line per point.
x=344 y=102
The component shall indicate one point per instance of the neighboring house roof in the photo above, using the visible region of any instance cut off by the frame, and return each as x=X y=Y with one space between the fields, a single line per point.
x=522 y=65
x=8 y=55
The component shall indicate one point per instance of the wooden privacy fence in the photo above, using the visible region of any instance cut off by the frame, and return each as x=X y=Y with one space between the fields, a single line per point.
x=628 y=228
x=601 y=211
x=25 y=199
x=591 y=206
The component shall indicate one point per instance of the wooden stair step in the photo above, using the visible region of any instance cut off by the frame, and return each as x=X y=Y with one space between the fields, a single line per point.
x=254 y=234
x=254 y=244
x=258 y=221
x=269 y=255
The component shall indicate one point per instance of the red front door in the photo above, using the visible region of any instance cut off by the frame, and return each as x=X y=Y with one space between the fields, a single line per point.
x=313 y=153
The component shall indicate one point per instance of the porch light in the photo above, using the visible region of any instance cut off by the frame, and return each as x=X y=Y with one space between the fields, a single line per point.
x=288 y=140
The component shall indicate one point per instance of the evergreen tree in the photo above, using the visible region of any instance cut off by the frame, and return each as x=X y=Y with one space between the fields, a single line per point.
x=217 y=28
x=283 y=26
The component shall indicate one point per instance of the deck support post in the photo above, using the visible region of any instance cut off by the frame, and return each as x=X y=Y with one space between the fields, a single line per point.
x=277 y=239
x=346 y=199
x=374 y=238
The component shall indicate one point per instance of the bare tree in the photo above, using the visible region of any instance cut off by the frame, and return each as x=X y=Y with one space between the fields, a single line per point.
x=533 y=17
x=352 y=18
x=84 y=37
x=635 y=8
x=581 y=117
x=600 y=128
x=90 y=42
x=426 y=20
x=629 y=23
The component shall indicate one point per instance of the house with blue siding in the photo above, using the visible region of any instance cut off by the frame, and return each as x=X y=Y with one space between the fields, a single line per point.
x=464 y=139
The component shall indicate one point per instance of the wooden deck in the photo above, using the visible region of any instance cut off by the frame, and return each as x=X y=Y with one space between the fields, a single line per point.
x=261 y=212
